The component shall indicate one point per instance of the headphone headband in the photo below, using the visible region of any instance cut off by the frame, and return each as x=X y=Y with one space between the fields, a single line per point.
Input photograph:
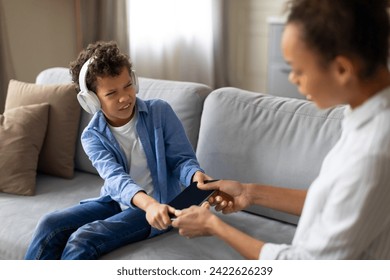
x=83 y=75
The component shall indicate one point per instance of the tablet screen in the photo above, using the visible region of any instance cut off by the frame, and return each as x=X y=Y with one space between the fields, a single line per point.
x=191 y=195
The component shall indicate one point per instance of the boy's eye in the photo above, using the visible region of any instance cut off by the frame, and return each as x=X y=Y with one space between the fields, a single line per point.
x=129 y=85
x=110 y=93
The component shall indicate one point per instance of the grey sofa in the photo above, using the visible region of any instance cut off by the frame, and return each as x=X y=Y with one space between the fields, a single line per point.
x=237 y=134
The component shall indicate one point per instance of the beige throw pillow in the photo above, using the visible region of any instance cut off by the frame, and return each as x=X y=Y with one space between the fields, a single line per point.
x=58 y=150
x=22 y=131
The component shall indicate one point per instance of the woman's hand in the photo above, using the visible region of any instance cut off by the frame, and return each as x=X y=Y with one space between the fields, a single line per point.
x=195 y=221
x=218 y=199
x=230 y=196
x=199 y=221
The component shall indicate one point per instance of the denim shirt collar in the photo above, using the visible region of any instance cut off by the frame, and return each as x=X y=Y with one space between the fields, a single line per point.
x=99 y=122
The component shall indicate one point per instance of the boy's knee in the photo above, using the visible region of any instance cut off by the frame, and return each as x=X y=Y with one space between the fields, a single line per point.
x=50 y=220
x=81 y=234
x=81 y=245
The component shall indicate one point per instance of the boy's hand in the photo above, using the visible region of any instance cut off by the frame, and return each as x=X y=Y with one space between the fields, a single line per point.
x=200 y=177
x=157 y=215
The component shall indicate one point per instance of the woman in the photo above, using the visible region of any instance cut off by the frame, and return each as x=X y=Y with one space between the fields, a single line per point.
x=338 y=52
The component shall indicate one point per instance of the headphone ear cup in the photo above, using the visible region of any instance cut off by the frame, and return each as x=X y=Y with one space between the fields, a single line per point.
x=89 y=101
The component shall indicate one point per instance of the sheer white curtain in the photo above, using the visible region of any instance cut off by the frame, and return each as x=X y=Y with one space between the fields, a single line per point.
x=172 y=39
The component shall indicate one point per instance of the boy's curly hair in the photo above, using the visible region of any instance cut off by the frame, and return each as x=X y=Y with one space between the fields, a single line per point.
x=108 y=61
x=353 y=28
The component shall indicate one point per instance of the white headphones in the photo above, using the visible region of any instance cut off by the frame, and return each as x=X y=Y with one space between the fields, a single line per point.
x=87 y=98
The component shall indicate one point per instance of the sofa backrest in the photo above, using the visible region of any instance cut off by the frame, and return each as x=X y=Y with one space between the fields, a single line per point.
x=54 y=75
x=257 y=138
x=186 y=99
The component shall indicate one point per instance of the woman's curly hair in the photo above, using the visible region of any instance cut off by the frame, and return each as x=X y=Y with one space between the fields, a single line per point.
x=357 y=28
x=107 y=61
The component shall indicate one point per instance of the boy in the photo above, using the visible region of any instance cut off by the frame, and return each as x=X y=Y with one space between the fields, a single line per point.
x=138 y=147
x=338 y=51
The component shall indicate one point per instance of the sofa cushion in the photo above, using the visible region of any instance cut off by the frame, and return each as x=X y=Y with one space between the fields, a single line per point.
x=19 y=215
x=56 y=193
x=61 y=75
x=172 y=246
x=58 y=150
x=22 y=131
x=276 y=141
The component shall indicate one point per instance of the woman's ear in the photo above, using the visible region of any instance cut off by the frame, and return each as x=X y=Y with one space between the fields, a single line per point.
x=345 y=70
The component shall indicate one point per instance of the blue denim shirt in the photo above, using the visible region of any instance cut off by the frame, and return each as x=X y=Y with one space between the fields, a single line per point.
x=170 y=156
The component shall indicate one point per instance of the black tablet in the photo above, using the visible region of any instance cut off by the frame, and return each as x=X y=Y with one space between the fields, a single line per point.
x=191 y=195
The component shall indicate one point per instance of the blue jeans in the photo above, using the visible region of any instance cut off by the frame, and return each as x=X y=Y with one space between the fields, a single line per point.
x=87 y=231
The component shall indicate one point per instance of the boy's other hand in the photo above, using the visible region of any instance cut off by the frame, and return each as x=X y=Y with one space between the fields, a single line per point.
x=200 y=177
x=157 y=215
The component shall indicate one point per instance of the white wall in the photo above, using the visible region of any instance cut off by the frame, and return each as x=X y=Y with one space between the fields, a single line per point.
x=41 y=35
x=249 y=38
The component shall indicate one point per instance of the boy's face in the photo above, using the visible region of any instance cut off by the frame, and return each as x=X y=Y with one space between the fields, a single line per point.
x=117 y=97
x=317 y=82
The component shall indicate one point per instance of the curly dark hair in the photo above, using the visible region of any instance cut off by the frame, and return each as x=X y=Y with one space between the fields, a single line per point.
x=352 y=28
x=108 y=61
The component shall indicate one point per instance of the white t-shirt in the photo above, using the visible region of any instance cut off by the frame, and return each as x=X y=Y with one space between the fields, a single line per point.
x=346 y=212
x=131 y=145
